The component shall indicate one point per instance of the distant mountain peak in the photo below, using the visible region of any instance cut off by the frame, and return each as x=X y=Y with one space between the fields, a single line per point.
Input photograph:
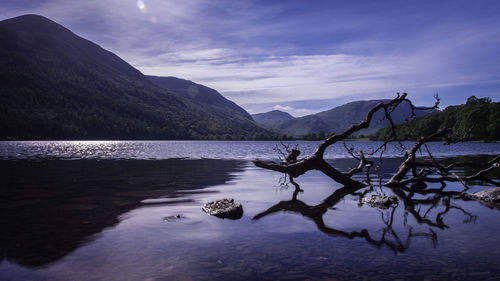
x=275 y=111
x=30 y=17
x=340 y=118
x=34 y=22
x=272 y=117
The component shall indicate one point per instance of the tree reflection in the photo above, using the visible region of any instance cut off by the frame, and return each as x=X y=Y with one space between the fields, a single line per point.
x=427 y=206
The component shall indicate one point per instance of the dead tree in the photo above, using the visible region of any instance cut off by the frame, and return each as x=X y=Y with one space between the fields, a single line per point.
x=428 y=206
x=411 y=171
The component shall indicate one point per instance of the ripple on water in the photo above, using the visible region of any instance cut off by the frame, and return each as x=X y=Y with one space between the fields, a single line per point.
x=207 y=149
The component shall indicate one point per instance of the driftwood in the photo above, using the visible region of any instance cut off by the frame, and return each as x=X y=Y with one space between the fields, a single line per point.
x=412 y=171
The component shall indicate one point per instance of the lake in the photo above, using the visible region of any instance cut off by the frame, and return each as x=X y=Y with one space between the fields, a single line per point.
x=131 y=210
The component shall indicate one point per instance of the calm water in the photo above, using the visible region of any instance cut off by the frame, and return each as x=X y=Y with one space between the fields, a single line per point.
x=106 y=211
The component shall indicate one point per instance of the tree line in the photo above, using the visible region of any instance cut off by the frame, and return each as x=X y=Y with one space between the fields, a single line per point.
x=477 y=120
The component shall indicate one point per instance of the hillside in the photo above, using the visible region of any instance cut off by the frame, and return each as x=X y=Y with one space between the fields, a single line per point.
x=199 y=94
x=271 y=117
x=481 y=116
x=57 y=85
x=340 y=118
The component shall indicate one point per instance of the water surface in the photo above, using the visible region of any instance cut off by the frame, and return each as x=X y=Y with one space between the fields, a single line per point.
x=109 y=213
x=247 y=150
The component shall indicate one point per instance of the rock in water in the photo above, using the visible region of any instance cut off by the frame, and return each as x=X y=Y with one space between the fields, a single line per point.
x=224 y=208
x=172 y=218
x=380 y=201
x=489 y=197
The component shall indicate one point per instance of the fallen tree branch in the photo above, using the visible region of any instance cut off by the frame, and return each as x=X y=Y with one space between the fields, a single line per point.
x=421 y=171
x=316 y=161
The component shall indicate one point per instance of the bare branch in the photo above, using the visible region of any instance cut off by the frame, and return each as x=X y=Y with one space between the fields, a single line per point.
x=421 y=171
x=411 y=157
x=362 y=163
x=361 y=125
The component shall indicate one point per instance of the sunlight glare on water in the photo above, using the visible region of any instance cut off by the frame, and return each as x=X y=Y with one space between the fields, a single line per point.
x=247 y=150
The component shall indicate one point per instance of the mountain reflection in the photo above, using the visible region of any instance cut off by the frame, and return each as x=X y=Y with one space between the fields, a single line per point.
x=51 y=208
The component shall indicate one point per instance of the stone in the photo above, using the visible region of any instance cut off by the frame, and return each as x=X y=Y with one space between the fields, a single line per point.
x=380 y=201
x=489 y=197
x=224 y=208
x=172 y=218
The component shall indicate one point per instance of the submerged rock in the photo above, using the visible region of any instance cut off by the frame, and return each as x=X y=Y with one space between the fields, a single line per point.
x=224 y=208
x=380 y=201
x=172 y=218
x=489 y=197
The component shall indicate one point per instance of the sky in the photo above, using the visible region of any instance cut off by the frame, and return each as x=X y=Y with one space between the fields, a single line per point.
x=298 y=56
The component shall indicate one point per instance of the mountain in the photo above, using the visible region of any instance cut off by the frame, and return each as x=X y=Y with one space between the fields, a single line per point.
x=479 y=116
x=342 y=117
x=271 y=117
x=57 y=85
x=197 y=93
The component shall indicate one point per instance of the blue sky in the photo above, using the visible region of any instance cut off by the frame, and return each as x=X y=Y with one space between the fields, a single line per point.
x=298 y=56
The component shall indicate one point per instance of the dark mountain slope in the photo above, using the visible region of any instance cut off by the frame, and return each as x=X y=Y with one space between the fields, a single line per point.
x=340 y=118
x=271 y=117
x=198 y=93
x=35 y=39
x=57 y=85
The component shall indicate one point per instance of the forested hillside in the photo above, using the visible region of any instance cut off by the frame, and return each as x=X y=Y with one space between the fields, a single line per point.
x=199 y=94
x=480 y=116
x=57 y=85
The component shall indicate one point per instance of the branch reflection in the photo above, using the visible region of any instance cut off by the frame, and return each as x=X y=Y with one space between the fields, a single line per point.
x=428 y=207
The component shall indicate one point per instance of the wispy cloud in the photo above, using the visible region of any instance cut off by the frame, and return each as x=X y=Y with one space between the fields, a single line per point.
x=294 y=111
x=288 y=78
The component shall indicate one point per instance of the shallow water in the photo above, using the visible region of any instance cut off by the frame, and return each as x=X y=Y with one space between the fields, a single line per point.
x=94 y=218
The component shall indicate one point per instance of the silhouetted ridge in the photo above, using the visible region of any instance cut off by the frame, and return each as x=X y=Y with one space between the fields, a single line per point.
x=57 y=85
x=37 y=32
x=340 y=118
x=197 y=93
